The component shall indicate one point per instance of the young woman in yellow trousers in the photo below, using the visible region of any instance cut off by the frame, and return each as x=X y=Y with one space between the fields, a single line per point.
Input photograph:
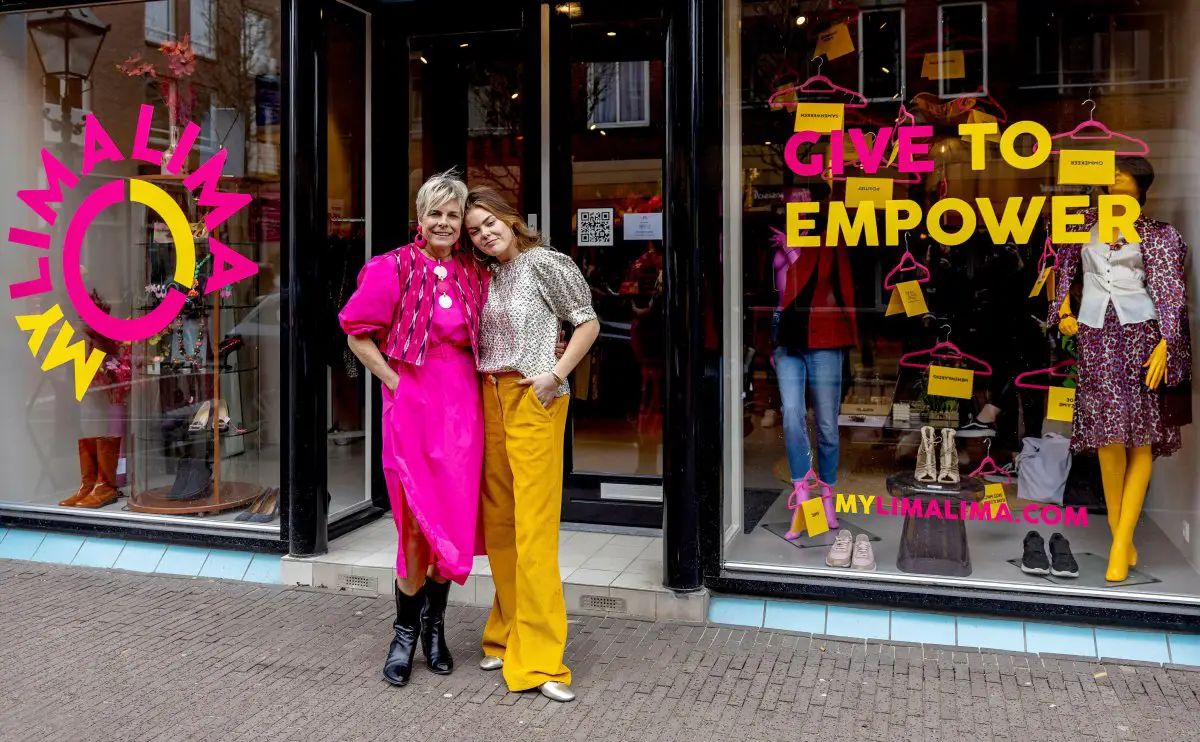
x=533 y=290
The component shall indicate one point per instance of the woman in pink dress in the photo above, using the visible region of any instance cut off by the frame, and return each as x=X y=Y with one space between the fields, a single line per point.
x=414 y=322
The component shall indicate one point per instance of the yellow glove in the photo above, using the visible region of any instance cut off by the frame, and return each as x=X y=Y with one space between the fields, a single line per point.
x=1156 y=365
x=1067 y=324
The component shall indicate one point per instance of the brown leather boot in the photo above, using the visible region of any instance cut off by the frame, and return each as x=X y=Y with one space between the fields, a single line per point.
x=108 y=450
x=87 y=472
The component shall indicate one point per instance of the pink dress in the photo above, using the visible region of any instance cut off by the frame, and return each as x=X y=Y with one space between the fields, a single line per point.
x=432 y=424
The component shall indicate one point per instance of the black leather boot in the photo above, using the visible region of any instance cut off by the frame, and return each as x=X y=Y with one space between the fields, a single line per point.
x=398 y=667
x=433 y=628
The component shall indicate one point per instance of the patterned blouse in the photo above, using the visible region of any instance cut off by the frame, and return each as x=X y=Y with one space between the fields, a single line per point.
x=1163 y=254
x=528 y=299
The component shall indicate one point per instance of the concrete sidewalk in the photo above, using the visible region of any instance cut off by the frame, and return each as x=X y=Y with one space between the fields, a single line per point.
x=108 y=655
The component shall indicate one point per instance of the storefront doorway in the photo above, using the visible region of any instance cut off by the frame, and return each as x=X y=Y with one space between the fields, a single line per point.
x=561 y=108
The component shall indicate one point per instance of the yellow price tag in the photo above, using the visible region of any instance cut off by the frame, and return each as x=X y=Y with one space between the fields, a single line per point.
x=895 y=304
x=950 y=65
x=1086 y=167
x=820 y=117
x=950 y=382
x=914 y=300
x=814 y=516
x=1061 y=405
x=1041 y=282
x=868 y=190
x=993 y=495
x=1050 y=287
x=834 y=42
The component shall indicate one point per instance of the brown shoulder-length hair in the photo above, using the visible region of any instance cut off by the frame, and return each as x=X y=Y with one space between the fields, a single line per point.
x=490 y=200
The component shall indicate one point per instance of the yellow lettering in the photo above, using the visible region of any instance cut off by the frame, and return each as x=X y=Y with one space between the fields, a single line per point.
x=1060 y=220
x=934 y=221
x=63 y=352
x=894 y=222
x=796 y=224
x=976 y=134
x=839 y=222
x=39 y=324
x=1025 y=162
x=1109 y=220
x=846 y=503
x=866 y=503
x=1012 y=222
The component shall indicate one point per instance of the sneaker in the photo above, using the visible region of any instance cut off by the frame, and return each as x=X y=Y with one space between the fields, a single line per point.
x=864 y=555
x=840 y=553
x=1033 y=560
x=1062 y=561
x=976 y=429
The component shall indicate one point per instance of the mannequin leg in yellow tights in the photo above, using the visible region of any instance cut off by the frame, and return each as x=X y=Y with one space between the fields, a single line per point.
x=1112 y=475
x=1137 y=480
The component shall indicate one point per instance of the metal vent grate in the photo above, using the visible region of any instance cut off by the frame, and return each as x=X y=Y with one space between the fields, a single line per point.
x=358 y=582
x=603 y=603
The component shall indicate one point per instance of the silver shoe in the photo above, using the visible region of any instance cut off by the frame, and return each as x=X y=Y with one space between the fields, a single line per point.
x=490 y=663
x=560 y=692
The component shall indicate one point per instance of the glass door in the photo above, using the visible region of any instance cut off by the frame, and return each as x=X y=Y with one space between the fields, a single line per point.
x=608 y=106
x=347 y=245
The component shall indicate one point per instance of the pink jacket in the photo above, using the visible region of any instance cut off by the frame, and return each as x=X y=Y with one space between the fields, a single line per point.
x=395 y=298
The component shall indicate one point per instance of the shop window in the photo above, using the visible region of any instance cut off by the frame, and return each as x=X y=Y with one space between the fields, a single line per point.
x=617 y=94
x=882 y=66
x=160 y=21
x=203 y=25
x=962 y=29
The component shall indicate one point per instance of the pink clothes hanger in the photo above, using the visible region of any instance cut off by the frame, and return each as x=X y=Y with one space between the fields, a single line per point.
x=944 y=351
x=809 y=87
x=1102 y=134
x=988 y=465
x=901 y=118
x=907 y=263
x=1054 y=371
x=794 y=502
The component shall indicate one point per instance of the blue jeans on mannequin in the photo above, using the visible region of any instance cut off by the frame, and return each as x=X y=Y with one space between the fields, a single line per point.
x=820 y=371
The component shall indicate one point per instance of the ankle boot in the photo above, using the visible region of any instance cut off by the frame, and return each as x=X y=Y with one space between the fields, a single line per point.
x=948 y=469
x=398 y=666
x=108 y=450
x=87 y=472
x=433 y=628
x=926 y=456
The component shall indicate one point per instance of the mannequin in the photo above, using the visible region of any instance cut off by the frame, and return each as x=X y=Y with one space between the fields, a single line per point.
x=812 y=330
x=1133 y=316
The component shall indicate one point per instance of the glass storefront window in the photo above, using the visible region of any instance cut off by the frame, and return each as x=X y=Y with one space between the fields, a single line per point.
x=914 y=409
x=184 y=425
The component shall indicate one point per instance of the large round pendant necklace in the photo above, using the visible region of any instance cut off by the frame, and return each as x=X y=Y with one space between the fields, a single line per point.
x=440 y=272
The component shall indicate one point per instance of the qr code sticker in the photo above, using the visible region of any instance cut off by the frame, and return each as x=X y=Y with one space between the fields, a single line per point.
x=595 y=227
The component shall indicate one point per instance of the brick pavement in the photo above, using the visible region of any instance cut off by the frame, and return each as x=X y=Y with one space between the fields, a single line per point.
x=106 y=655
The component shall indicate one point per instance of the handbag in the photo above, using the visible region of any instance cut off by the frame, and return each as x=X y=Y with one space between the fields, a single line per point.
x=1043 y=468
x=193 y=480
x=1175 y=405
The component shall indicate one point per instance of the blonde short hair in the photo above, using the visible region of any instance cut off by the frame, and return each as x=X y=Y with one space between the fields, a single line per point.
x=440 y=189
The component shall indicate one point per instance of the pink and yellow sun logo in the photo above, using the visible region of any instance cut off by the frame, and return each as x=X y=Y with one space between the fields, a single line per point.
x=229 y=267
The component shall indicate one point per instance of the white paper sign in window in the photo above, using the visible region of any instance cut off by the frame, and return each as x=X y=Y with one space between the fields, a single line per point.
x=594 y=228
x=643 y=226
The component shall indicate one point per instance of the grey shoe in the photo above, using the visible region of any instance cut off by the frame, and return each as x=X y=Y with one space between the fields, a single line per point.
x=864 y=555
x=490 y=663
x=840 y=553
x=560 y=692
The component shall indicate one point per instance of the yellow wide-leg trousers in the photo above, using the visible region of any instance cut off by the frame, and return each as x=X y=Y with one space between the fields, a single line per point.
x=522 y=504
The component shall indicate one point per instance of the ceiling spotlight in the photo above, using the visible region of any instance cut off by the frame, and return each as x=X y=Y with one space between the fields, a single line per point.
x=603 y=133
x=424 y=60
x=767 y=143
x=463 y=46
x=592 y=127
x=612 y=33
x=801 y=20
x=515 y=95
x=886 y=71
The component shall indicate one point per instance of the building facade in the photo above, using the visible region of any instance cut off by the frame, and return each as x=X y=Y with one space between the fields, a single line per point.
x=770 y=334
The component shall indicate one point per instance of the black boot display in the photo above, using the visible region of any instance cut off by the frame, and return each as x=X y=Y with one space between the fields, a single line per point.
x=433 y=628
x=398 y=666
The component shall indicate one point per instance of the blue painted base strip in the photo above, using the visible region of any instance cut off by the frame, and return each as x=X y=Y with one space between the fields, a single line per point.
x=969 y=632
x=137 y=556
